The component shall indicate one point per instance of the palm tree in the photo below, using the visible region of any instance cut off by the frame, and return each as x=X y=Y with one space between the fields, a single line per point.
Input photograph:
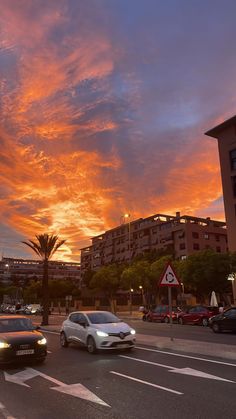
x=45 y=247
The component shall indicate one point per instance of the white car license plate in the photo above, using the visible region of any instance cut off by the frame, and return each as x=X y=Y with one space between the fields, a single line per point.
x=122 y=345
x=25 y=352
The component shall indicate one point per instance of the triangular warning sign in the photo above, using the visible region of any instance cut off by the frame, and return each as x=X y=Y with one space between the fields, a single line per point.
x=169 y=278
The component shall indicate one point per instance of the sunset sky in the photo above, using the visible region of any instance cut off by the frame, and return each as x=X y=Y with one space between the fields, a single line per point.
x=103 y=109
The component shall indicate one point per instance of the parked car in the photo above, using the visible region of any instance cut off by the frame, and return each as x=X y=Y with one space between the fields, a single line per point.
x=225 y=321
x=20 y=340
x=97 y=330
x=161 y=313
x=33 y=309
x=197 y=315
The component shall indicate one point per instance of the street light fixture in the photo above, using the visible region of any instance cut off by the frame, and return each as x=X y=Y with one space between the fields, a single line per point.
x=182 y=293
x=127 y=216
x=231 y=278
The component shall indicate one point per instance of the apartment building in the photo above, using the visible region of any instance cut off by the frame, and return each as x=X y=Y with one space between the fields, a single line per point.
x=181 y=235
x=225 y=133
x=24 y=269
x=226 y=136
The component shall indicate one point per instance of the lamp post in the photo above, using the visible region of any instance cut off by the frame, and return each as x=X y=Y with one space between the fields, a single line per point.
x=141 y=289
x=182 y=294
x=125 y=217
x=231 y=278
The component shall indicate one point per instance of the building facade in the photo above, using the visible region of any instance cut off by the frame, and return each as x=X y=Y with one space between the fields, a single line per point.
x=180 y=235
x=24 y=269
x=225 y=133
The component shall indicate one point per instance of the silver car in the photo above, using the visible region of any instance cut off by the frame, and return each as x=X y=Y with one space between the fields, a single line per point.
x=97 y=330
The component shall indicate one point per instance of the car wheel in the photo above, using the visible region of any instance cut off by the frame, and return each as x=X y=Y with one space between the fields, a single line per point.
x=63 y=340
x=205 y=322
x=180 y=320
x=166 y=320
x=91 y=345
x=216 y=328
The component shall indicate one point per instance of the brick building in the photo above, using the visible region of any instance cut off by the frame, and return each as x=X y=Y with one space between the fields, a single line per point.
x=181 y=235
x=24 y=269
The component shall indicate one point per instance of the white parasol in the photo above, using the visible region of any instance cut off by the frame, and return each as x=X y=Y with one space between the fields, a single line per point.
x=213 y=301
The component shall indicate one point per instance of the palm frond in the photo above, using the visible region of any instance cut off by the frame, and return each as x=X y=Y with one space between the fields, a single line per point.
x=45 y=246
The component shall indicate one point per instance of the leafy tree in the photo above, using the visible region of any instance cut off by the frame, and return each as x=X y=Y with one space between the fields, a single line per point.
x=206 y=271
x=45 y=247
x=107 y=280
x=135 y=275
x=87 y=277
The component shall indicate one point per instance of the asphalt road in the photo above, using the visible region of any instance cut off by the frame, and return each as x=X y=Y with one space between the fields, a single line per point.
x=191 y=332
x=144 y=383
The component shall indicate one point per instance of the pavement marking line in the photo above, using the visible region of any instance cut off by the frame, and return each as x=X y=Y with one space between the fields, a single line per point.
x=146 y=382
x=146 y=362
x=185 y=371
x=5 y=412
x=186 y=356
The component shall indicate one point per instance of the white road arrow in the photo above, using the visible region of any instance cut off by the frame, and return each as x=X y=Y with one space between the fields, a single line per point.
x=186 y=371
x=196 y=373
x=76 y=390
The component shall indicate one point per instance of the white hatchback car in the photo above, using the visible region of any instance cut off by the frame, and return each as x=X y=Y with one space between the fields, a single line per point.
x=97 y=330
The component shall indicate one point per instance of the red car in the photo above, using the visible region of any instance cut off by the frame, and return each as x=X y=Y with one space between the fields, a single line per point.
x=161 y=313
x=197 y=315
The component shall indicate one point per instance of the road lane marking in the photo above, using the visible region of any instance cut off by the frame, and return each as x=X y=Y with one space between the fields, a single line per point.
x=146 y=382
x=186 y=356
x=76 y=390
x=5 y=412
x=185 y=371
x=171 y=353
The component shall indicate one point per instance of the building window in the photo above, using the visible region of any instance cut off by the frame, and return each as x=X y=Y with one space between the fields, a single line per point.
x=195 y=235
x=218 y=249
x=206 y=236
x=196 y=246
x=232 y=154
x=233 y=180
x=182 y=246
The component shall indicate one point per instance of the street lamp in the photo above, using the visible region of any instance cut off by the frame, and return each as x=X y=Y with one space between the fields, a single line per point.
x=141 y=289
x=127 y=217
x=231 y=278
x=182 y=294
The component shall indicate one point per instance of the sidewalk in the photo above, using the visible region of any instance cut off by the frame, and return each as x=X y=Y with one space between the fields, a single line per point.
x=217 y=350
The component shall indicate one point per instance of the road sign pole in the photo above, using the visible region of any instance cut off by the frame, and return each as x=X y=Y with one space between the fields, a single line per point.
x=170 y=311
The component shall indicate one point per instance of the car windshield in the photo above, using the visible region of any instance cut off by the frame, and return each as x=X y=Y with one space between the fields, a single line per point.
x=102 y=317
x=15 y=325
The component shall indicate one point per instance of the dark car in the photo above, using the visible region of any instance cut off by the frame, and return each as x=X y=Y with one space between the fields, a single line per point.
x=225 y=321
x=161 y=313
x=197 y=315
x=20 y=340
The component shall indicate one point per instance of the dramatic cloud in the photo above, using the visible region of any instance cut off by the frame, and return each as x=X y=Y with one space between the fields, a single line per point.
x=103 y=109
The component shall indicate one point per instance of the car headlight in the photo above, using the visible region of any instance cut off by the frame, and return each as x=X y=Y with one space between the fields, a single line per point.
x=101 y=334
x=4 y=345
x=42 y=341
x=132 y=331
